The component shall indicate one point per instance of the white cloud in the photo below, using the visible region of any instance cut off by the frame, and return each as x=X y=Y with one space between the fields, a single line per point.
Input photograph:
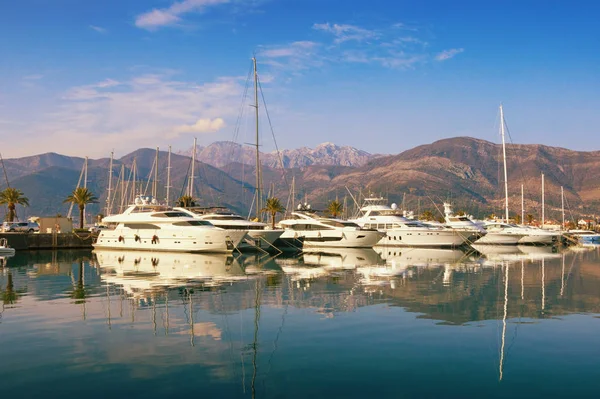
x=157 y=18
x=36 y=76
x=447 y=54
x=344 y=33
x=98 y=29
x=144 y=110
x=201 y=126
x=294 y=49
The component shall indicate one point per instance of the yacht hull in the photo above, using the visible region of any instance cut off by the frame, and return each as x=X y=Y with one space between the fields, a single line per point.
x=433 y=239
x=546 y=239
x=500 y=238
x=260 y=239
x=335 y=238
x=209 y=240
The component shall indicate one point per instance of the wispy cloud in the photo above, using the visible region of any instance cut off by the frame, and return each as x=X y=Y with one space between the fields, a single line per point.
x=344 y=33
x=447 y=54
x=173 y=14
x=151 y=107
x=36 y=76
x=98 y=29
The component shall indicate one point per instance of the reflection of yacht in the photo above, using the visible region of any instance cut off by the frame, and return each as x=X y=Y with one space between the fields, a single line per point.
x=5 y=250
x=152 y=227
x=501 y=233
x=344 y=258
x=376 y=214
x=420 y=256
x=538 y=252
x=324 y=232
x=144 y=270
x=260 y=235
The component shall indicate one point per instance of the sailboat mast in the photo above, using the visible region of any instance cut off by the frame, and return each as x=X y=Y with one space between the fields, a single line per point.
x=542 y=200
x=562 y=206
x=258 y=191
x=168 y=177
x=504 y=159
x=110 y=173
x=155 y=182
x=522 y=206
x=191 y=184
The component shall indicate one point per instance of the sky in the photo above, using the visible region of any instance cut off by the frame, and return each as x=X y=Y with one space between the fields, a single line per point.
x=88 y=77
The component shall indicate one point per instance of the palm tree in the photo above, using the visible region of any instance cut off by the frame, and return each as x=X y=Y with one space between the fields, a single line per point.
x=186 y=201
x=79 y=292
x=335 y=208
x=529 y=218
x=81 y=196
x=427 y=215
x=12 y=197
x=518 y=219
x=273 y=207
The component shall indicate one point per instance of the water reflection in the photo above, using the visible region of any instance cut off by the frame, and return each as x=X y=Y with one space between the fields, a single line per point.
x=247 y=321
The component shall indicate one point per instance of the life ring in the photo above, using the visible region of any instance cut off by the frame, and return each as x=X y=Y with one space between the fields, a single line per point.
x=154 y=239
x=137 y=238
x=121 y=239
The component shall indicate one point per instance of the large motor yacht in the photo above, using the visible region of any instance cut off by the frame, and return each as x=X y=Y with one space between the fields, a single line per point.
x=401 y=231
x=463 y=225
x=501 y=234
x=260 y=235
x=148 y=226
x=325 y=232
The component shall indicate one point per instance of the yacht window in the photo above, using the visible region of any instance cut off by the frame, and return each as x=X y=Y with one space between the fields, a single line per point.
x=170 y=215
x=193 y=223
x=225 y=217
x=141 y=226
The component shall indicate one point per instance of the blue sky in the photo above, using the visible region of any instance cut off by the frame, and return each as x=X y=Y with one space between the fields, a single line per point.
x=84 y=77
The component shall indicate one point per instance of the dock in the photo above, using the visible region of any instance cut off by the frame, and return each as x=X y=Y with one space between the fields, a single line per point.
x=33 y=241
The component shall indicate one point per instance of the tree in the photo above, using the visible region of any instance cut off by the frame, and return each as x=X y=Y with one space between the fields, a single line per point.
x=461 y=213
x=81 y=196
x=273 y=207
x=335 y=208
x=518 y=219
x=427 y=215
x=529 y=218
x=12 y=197
x=186 y=201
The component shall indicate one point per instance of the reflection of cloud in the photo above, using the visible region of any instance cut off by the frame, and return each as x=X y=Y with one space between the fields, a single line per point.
x=206 y=329
x=447 y=54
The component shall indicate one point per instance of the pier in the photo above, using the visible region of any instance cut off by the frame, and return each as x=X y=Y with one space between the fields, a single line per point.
x=28 y=241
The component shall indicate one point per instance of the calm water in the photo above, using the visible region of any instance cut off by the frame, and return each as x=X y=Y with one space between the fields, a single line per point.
x=355 y=323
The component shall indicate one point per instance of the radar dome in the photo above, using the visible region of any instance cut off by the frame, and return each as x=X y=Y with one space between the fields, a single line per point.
x=394 y=206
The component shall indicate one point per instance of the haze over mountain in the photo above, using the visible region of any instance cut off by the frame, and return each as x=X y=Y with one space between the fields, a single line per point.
x=465 y=170
x=222 y=153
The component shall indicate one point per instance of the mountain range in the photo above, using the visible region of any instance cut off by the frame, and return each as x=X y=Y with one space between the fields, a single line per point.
x=463 y=170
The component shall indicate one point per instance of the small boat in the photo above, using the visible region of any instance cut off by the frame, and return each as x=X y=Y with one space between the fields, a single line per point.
x=5 y=249
x=585 y=236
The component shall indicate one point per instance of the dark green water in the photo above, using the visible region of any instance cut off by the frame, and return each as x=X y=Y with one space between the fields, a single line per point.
x=385 y=323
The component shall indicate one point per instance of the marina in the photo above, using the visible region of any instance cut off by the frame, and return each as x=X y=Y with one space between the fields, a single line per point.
x=235 y=326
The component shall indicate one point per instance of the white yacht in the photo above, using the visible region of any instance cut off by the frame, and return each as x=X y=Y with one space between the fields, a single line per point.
x=501 y=234
x=259 y=234
x=324 y=232
x=148 y=226
x=538 y=236
x=463 y=225
x=376 y=214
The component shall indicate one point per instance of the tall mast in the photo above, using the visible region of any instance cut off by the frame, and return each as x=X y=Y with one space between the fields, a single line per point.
x=522 y=206
x=4 y=169
x=168 y=177
x=110 y=173
x=504 y=159
x=123 y=193
x=134 y=170
x=542 y=200
x=562 y=206
x=191 y=184
x=155 y=180
x=258 y=193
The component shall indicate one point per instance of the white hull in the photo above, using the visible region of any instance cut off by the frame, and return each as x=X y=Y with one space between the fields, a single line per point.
x=422 y=238
x=172 y=240
x=545 y=239
x=260 y=239
x=335 y=238
x=500 y=238
x=7 y=251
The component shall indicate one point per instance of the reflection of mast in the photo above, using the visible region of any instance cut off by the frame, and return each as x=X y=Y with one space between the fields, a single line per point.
x=543 y=285
x=108 y=299
x=166 y=322
x=504 y=321
x=255 y=343
x=562 y=276
x=191 y=320
x=522 y=279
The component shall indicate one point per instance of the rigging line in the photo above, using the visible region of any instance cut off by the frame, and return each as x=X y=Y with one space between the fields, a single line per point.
x=273 y=134
x=149 y=175
x=4 y=169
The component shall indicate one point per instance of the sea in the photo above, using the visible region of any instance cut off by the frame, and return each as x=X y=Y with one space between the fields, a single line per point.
x=499 y=322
